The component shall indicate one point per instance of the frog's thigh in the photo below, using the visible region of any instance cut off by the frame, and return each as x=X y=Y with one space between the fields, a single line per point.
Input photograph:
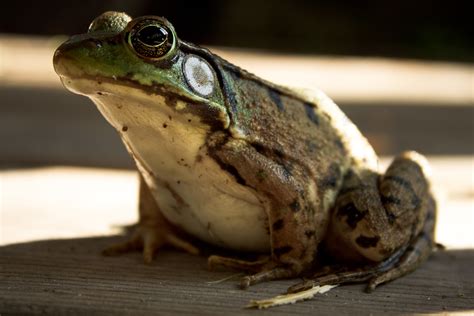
x=293 y=239
x=153 y=230
x=374 y=219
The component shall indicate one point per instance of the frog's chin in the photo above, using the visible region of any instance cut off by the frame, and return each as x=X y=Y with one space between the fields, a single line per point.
x=78 y=86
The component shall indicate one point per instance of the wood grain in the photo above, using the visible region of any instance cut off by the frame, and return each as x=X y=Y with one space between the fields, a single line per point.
x=70 y=277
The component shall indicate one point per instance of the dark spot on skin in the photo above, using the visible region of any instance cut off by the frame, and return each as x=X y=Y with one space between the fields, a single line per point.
x=367 y=242
x=311 y=146
x=233 y=171
x=416 y=201
x=259 y=148
x=179 y=200
x=425 y=237
x=353 y=215
x=189 y=120
x=309 y=108
x=169 y=117
x=287 y=169
x=402 y=182
x=99 y=93
x=390 y=200
x=178 y=182
x=276 y=98
x=171 y=100
x=99 y=82
x=278 y=225
x=309 y=233
x=278 y=252
x=430 y=215
x=124 y=128
x=198 y=158
x=332 y=177
x=348 y=190
x=390 y=217
x=279 y=153
x=165 y=125
x=339 y=144
x=295 y=206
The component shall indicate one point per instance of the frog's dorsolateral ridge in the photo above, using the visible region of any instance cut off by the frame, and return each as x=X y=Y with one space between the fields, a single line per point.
x=242 y=163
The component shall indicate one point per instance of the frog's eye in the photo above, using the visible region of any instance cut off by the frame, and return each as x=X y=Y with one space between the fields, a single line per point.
x=199 y=75
x=151 y=39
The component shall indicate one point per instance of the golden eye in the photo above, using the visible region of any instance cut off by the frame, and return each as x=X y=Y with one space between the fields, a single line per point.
x=151 y=39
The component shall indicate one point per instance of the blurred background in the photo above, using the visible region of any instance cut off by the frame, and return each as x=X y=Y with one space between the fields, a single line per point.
x=401 y=70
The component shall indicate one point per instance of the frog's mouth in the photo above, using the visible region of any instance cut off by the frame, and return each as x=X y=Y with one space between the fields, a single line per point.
x=77 y=79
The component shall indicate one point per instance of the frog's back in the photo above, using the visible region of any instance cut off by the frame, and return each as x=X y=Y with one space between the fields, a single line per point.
x=304 y=126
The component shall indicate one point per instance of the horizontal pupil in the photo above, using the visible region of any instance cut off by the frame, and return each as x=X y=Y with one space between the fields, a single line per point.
x=152 y=35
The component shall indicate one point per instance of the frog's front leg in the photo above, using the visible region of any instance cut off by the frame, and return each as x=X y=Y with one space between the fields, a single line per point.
x=153 y=230
x=386 y=223
x=291 y=207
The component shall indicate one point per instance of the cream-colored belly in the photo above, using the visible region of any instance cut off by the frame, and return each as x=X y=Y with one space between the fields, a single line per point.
x=191 y=189
x=204 y=200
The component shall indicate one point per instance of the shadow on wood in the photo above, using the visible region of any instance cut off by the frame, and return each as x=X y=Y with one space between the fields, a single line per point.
x=70 y=276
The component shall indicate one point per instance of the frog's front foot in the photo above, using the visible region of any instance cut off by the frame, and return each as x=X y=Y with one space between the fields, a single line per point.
x=149 y=238
x=262 y=270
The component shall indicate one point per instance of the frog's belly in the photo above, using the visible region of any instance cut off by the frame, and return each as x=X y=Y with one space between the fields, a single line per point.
x=215 y=214
x=196 y=194
x=191 y=189
x=202 y=198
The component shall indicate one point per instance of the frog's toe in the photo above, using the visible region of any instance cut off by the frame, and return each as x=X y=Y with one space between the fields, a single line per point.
x=237 y=264
x=150 y=239
x=275 y=273
x=123 y=247
x=262 y=270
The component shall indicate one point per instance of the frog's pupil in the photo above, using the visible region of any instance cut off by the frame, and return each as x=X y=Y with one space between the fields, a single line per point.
x=152 y=35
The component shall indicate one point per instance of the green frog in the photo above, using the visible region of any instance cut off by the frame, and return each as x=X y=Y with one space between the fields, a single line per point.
x=241 y=163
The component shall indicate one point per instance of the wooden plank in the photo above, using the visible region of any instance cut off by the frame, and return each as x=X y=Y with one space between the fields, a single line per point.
x=70 y=277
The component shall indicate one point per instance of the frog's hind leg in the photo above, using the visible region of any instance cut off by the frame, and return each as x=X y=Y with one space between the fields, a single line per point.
x=402 y=262
x=153 y=231
x=390 y=221
x=417 y=252
x=336 y=275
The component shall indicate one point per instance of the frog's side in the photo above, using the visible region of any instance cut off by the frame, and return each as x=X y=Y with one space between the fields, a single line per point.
x=249 y=165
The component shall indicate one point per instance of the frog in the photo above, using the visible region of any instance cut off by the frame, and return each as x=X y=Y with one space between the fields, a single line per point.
x=233 y=160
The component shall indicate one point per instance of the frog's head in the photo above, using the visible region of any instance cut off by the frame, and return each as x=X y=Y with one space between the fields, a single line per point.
x=139 y=73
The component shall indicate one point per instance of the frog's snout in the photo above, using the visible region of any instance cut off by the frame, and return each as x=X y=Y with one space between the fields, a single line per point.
x=69 y=57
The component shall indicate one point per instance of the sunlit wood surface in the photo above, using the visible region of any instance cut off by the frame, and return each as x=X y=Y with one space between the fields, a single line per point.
x=56 y=220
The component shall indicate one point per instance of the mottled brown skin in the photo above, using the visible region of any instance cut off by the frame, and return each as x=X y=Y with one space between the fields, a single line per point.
x=288 y=147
